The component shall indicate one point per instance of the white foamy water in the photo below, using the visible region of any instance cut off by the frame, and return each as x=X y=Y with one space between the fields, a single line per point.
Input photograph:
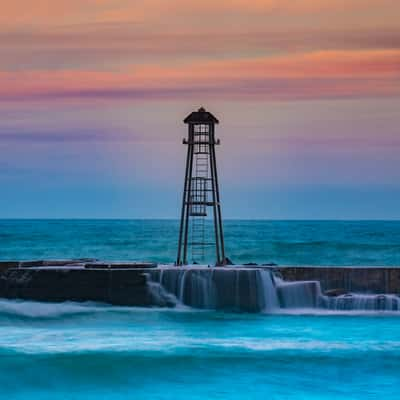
x=33 y=309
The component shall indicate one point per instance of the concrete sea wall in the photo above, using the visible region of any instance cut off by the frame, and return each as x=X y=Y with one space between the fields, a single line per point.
x=236 y=288
x=120 y=287
x=219 y=288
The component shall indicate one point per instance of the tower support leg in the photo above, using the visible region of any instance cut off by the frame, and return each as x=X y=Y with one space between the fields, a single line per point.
x=218 y=204
x=184 y=201
x=187 y=203
x=214 y=198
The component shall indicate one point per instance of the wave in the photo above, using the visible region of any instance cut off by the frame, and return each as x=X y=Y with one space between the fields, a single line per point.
x=35 y=310
x=330 y=244
x=26 y=309
x=125 y=346
x=161 y=332
x=226 y=350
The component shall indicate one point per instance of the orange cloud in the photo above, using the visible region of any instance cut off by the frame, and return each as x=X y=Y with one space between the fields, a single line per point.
x=161 y=10
x=50 y=12
x=162 y=13
x=110 y=45
x=311 y=75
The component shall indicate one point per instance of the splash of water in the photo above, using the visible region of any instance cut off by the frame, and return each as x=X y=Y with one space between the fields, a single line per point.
x=368 y=302
x=254 y=290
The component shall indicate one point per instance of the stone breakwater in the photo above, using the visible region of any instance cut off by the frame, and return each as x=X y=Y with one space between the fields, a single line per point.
x=76 y=280
x=236 y=288
x=136 y=284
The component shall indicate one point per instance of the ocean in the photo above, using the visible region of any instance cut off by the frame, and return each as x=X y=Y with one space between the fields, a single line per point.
x=280 y=242
x=85 y=351
x=77 y=351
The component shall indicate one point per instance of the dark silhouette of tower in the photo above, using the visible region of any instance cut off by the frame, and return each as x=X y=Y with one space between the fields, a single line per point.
x=201 y=191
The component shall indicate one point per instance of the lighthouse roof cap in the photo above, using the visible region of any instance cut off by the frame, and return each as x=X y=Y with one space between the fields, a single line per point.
x=201 y=116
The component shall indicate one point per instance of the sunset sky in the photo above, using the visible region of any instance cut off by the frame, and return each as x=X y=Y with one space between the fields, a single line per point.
x=93 y=94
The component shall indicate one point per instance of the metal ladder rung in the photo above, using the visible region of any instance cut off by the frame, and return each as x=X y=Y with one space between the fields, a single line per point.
x=205 y=190
x=200 y=203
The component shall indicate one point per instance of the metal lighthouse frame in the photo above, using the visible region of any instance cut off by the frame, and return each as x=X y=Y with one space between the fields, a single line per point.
x=201 y=191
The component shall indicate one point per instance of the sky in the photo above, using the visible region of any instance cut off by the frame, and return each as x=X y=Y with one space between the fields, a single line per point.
x=93 y=94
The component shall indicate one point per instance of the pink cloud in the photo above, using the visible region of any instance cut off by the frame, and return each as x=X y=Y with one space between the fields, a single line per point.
x=324 y=74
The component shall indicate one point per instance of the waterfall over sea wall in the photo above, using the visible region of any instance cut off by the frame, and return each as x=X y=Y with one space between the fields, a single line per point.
x=252 y=290
x=302 y=294
x=367 y=302
x=216 y=288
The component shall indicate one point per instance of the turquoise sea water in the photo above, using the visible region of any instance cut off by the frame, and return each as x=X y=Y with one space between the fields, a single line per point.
x=72 y=351
x=282 y=242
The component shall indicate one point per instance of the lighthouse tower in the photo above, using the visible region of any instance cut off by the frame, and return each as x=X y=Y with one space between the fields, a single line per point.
x=200 y=193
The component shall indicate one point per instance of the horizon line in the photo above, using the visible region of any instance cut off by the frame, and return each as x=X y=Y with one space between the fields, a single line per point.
x=177 y=219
